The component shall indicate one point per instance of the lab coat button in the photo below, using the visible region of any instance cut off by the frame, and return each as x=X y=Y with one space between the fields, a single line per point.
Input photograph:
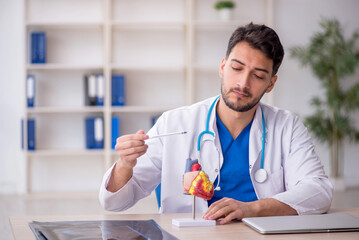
x=250 y=166
x=216 y=170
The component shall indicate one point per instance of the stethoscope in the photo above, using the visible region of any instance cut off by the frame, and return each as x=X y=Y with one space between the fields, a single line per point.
x=261 y=174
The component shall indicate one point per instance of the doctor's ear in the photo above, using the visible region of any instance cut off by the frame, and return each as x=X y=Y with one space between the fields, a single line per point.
x=273 y=80
x=223 y=63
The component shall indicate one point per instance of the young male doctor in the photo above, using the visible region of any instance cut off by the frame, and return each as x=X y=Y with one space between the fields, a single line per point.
x=260 y=158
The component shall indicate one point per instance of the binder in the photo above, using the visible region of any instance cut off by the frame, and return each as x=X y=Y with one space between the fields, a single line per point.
x=42 y=47
x=90 y=90
x=98 y=125
x=100 y=89
x=30 y=90
x=38 y=47
x=31 y=134
x=34 y=48
x=90 y=133
x=154 y=120
x=94 y=133
x=115 y=126
x=22 y=133
x=118 y=90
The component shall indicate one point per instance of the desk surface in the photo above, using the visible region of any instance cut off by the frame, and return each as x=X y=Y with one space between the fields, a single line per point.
x=233 y=230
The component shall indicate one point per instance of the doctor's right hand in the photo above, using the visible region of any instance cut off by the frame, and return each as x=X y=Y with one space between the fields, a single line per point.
x=129 y=148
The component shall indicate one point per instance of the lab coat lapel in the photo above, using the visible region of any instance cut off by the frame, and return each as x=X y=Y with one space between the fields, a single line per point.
x=255 y=139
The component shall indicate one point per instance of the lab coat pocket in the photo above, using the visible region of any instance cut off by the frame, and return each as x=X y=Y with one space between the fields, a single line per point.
x=277 y=181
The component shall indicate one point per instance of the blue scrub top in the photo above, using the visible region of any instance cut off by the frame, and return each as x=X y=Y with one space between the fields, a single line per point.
x=235 y=179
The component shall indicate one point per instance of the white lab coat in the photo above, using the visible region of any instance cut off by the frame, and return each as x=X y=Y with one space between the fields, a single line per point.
x=295 y=174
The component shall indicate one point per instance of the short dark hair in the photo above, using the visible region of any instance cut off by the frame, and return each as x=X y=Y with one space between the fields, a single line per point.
x=259 y=37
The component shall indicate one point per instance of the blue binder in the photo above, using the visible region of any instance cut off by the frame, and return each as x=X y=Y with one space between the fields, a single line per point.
x=30 y=90
x=90 y=133
x=118 y=90
x=38 y=47
x=115 y=130
x=154 y=120
x=94 y=133
x=31 y=134
x=34 y=48
x=100 y=89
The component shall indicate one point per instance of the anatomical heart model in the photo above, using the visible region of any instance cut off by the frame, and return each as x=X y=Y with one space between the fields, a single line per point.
x=196 y=182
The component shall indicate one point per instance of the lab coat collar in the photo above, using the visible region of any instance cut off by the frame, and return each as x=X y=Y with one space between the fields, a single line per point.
x=212 y=120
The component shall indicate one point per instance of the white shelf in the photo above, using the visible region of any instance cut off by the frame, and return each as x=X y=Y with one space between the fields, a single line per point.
x=65 y=152
x=219 y=24
x=148 y=25
x=140 y=109
x=167 y=51
x=63 y=66
x=52 y=25
x=44 y=110
x=148 y=68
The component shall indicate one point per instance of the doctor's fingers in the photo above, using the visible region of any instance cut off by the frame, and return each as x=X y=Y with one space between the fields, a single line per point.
x=221 y=208
x=128 y=152
x=131 y=160
x=228 y=213
x=120 y=144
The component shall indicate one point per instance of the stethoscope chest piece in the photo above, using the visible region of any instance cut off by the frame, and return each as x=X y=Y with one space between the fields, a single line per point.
x=260 y=175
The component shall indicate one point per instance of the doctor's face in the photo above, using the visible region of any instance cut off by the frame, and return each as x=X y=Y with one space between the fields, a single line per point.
x=245 y=76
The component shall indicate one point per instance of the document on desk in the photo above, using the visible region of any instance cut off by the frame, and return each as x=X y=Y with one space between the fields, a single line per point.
x=105 y=229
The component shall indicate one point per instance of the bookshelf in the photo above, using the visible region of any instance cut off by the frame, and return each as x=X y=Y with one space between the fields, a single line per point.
x=169 y=52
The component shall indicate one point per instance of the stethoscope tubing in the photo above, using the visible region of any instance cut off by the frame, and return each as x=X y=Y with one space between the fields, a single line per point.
x=261 y=173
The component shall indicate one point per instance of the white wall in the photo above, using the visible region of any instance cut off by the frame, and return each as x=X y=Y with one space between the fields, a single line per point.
x=294 y=20
x=11 y=94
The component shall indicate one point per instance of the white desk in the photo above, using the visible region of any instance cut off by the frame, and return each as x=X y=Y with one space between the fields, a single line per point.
x=233 y=230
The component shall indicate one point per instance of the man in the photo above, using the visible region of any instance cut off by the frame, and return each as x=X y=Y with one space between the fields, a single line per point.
x=261 y=157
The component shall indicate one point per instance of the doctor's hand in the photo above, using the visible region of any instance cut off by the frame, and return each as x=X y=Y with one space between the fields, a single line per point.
x=129 y=148
x=229 y=209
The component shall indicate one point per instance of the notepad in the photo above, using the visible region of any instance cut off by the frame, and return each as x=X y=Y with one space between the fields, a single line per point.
x=335 y=222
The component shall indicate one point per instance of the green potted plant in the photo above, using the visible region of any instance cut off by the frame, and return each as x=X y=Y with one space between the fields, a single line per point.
x=332 y=58
x=224 y=9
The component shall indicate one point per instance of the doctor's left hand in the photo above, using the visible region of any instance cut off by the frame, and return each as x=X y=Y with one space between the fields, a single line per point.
x=229 y=209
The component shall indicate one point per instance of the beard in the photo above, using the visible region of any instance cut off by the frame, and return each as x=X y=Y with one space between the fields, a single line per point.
x=236 y=106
